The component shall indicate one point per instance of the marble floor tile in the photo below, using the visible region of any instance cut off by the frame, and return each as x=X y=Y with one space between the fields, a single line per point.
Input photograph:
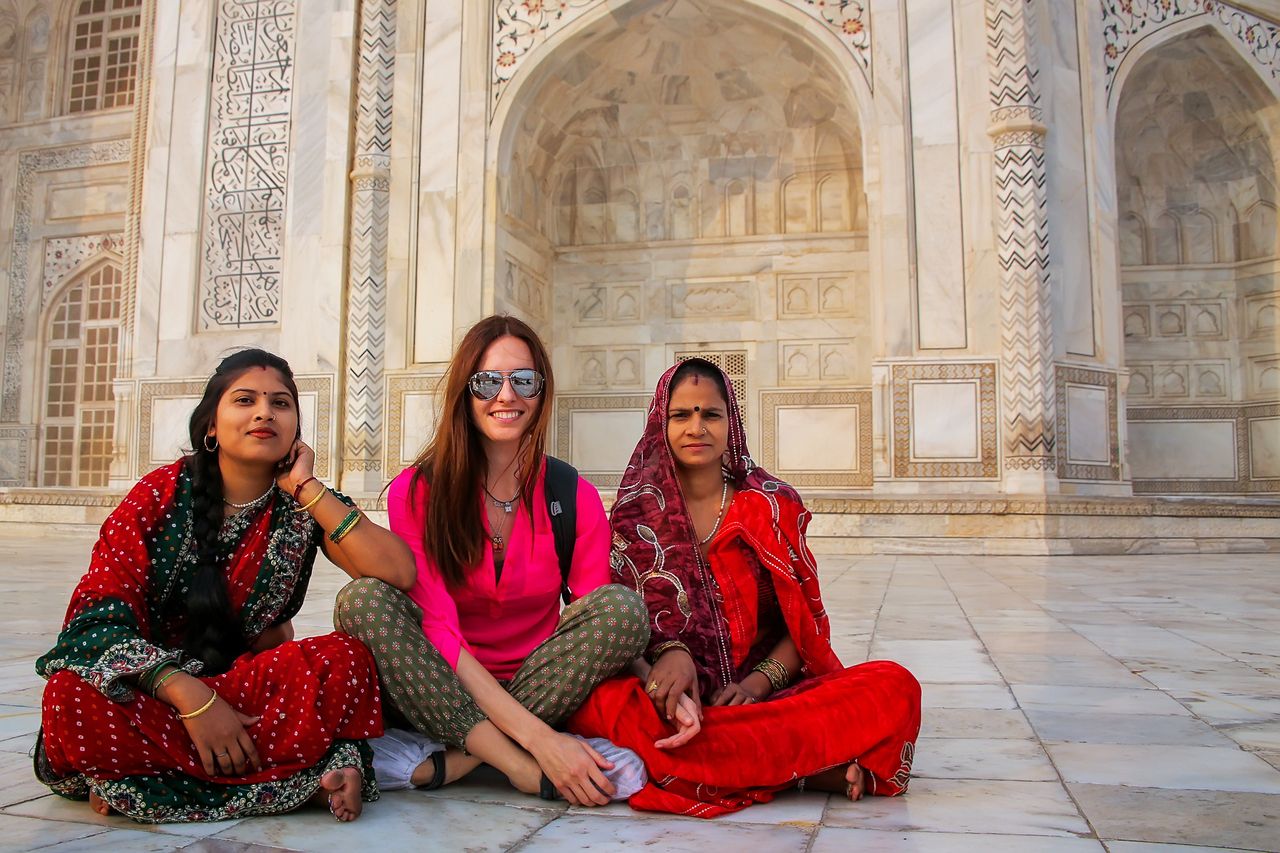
x=670 y=835
x=1165 y=766
x=22 y=833
x=988 y=696
x=1093 y=671
x=22 y=744
x=837 y=839
x=17 y=782
x=949 y=661
x=16 y=720
x=1227 y=708
x=1112 y=700
x=1093 y=727
x=120 y=841
x=982 y=758
x=1207 y=818
x=950 y=805
x=967 y=722
x=397 y=823
x=51 y=807
x=1255 y=736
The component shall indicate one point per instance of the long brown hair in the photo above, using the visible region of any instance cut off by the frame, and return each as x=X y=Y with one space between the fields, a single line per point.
x=454 y=462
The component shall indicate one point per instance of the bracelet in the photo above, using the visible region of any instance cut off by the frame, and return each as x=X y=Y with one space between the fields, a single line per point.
x=345 y=526
x=309 y=504
x=773 y=670
x=213 y=697
x=297 y=491
x=147 y=679
x=661 y=648
x=170 y=674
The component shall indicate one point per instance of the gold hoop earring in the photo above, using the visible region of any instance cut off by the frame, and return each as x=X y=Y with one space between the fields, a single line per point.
x=213 y=449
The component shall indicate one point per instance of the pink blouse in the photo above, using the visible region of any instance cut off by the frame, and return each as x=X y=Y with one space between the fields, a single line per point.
x=500 y=623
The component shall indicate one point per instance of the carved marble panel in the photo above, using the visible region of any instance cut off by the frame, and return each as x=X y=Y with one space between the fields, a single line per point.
x=248 y=164
x=525 y=289
x=1264 y=376
x=1169 y=320
x=1264 y=447
x=818 y=439
x=1137 y=322
x=15 y=455
x=802 y=296
x=980 y=380
x=1088 y=445
x=598 y=432
x=607 y=367
x=410 y=418
x=1201 y=449
x=712 y=299
x=609 y=304
x=1262 y=315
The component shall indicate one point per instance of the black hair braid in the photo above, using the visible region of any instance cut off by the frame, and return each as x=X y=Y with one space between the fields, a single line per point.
x=213 y=634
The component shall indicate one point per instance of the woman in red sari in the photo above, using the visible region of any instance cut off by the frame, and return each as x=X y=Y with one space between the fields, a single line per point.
x=717 y=547
x=175 y=690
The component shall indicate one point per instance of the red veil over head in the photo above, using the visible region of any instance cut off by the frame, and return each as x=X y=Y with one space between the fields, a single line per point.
x=655 y=550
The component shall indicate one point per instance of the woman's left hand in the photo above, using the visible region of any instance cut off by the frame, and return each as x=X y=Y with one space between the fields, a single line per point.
x=297 y=467
x=734 y=693
x=688 y=724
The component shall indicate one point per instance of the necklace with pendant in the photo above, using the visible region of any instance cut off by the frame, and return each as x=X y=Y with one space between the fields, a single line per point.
x=244 y=506
x=506 y=506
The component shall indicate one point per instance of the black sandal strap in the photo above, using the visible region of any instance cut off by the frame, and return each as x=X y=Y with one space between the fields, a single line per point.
x=437 y=779
x=547 y=789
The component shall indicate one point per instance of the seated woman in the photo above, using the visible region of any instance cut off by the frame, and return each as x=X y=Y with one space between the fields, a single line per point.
x=175 y=691
x=717 y=547
x=478 y=655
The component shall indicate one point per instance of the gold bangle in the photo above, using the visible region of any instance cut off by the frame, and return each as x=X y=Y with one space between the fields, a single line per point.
x=772 y=669
x=309 y=504
x=662 y=648
x=198 y=711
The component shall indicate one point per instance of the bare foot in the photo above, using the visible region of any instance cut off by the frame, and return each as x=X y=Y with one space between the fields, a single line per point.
x=850 y=780
x=340 y=793
x=98 y=804
x=856 y=778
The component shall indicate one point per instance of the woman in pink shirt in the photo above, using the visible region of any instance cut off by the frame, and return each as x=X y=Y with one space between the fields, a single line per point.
x=478 y=655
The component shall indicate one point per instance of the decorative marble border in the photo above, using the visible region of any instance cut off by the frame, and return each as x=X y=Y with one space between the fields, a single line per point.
x=1068 y=470
x=369 y=215
x=149 y=391
x=567 y=404
x=1127 y=22
x=771 y=401
x=1241 y=415
x=1054 y=506
x=30 y=163
x=393 y=460
x=520 y=26
x=18 y=440
x=988 y=464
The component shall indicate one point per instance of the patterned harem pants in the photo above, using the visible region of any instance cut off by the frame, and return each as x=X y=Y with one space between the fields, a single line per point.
x=597 y=636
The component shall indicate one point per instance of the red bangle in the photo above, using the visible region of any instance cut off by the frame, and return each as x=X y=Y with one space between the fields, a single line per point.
x=297 y=491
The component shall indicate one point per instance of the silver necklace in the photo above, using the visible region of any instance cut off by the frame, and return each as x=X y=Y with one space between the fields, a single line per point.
x=505 y=506
x=724 y=495
x=256 y=500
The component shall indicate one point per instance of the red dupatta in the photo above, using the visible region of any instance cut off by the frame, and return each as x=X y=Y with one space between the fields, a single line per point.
x=655 y=550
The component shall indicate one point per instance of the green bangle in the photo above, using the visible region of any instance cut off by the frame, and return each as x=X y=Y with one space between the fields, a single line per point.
x=343 y=526
x=170 y=674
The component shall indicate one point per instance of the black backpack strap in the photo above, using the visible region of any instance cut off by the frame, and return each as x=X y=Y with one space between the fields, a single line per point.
x=561 y=488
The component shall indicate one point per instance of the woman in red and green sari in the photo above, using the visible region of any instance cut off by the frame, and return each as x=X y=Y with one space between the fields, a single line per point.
x=742 y=695
x=176 y=691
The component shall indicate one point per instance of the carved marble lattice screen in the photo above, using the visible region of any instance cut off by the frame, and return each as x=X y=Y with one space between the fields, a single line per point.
x=79 y=408
x=102 y=63
x=248 y=156
x=733 y=363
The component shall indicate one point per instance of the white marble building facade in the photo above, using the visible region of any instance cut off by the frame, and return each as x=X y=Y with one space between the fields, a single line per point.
x=971 y=248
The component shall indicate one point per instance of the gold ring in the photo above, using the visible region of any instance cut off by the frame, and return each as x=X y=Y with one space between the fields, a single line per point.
x=653 y=686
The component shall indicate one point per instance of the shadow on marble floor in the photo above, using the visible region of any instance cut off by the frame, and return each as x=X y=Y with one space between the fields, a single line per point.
x=1129 y=704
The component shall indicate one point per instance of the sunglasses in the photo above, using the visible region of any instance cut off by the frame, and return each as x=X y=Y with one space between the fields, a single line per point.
x=487 y=384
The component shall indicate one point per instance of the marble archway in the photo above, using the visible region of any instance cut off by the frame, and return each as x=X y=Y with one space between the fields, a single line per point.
x=686 y=179
x=1196 y=163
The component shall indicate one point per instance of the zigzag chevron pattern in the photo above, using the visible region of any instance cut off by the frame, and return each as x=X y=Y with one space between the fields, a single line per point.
x=1026 y=333
x=367 y=262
